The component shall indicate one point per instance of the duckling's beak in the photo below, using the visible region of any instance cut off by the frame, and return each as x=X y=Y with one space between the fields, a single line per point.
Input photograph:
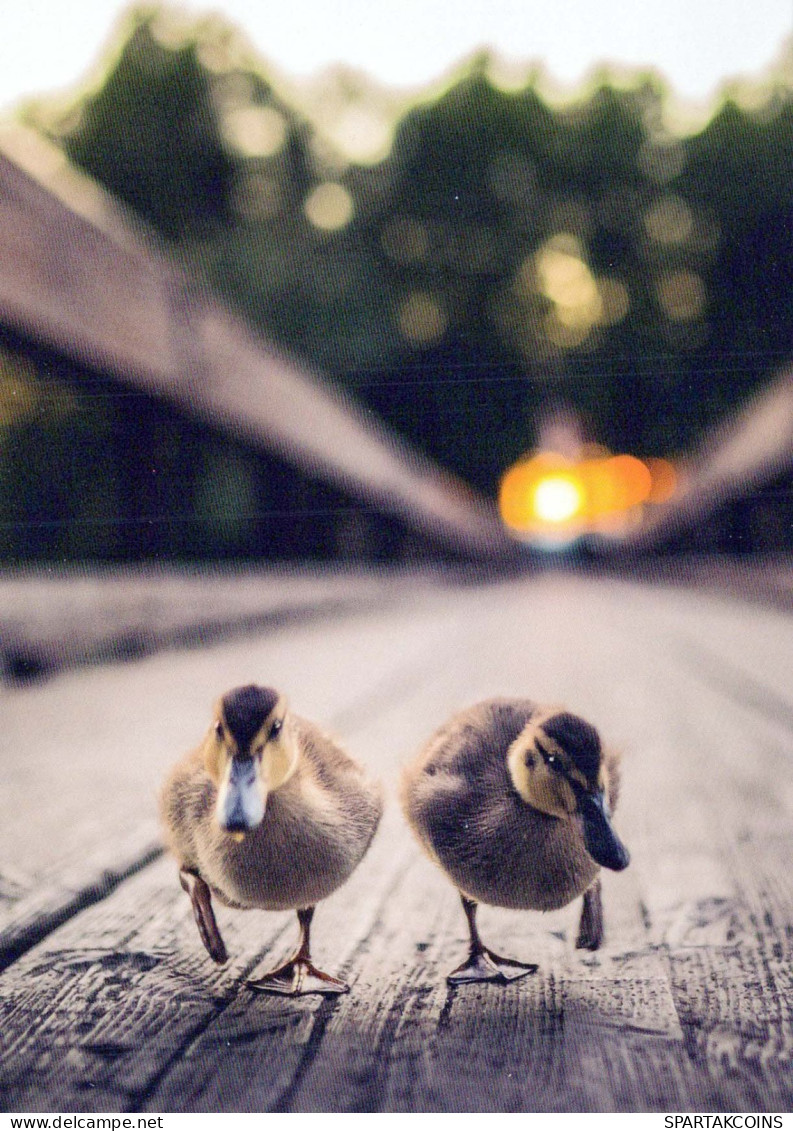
x=602 y=843
x=241 y=798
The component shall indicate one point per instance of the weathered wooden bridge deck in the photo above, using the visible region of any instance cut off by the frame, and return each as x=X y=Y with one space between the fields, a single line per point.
x=108 y=1001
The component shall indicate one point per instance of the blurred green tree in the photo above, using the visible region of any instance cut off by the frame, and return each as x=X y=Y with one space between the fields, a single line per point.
x=151 y=136
x=506 y=255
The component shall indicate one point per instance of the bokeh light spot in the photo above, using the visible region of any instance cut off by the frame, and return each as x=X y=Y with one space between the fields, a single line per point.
x=363 y=135
x=172 y=28
x=329 y=207
x=627 y=481
x=557 y=498
x=664 y=480
x=422 y=318
x=681 y=295
x=254 y=131
x=548 y=496
x=564 y=278
x=24 y=396
x=565 y=335
x=669 y=221
x=18 y=396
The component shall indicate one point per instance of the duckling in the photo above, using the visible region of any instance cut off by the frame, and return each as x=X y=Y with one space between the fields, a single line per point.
x=267 y=812
x=513 y=802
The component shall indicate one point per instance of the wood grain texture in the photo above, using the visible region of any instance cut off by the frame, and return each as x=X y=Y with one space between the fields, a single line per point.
x=53 y=621
x=687 y=1007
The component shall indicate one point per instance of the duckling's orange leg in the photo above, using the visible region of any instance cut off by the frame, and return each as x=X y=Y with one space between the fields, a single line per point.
x=299 y=975
x=483 y=965
x=201 y=899
x=590 y=930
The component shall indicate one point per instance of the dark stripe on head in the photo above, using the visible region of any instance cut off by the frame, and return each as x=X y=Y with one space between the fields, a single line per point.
x=579 y=740
x=245 y=709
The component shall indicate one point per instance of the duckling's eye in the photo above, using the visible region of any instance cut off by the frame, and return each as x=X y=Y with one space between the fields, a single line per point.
x=219 y=730
x=551 y=761
x=275 y=729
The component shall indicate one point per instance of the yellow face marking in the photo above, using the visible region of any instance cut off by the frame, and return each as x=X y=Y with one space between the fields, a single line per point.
x=279 y=760
x=273 y=747
x=215 y=748
x=540 y=786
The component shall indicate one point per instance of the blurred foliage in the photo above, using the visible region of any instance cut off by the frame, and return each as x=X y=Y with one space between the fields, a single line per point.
x=151 y=136
x=506 y=255
x=92 y=471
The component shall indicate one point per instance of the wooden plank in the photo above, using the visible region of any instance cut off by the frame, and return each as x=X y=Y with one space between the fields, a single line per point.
x=687 y=1007
x=84 y=281
x=89 y=956
x=322 y=429
x=50 y=621
x=730 y=952
x=31 y=910
x=383 y=957
x=421 y=1047
x=709 y=896
x=57 y=773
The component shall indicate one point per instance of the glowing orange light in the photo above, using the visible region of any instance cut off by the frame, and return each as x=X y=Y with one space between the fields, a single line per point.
x=632 y=480
x=549 y=495
x=664 y=480
x=557 y=498
x=543 y=491
x=516 y=494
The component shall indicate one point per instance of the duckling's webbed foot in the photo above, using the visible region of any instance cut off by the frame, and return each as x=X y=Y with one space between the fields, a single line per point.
x=201 y=899
x=590 y=930
x=299 y=975
x=485 y=966
x=482 y=964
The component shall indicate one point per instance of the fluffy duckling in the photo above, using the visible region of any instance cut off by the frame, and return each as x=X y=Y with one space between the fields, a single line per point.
x=513 y=801
x=268 y=812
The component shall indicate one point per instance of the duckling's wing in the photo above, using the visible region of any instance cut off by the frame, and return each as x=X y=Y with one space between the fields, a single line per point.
x=457 y=795
x=467 y=814
x=358 y=799
x=186 y=799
